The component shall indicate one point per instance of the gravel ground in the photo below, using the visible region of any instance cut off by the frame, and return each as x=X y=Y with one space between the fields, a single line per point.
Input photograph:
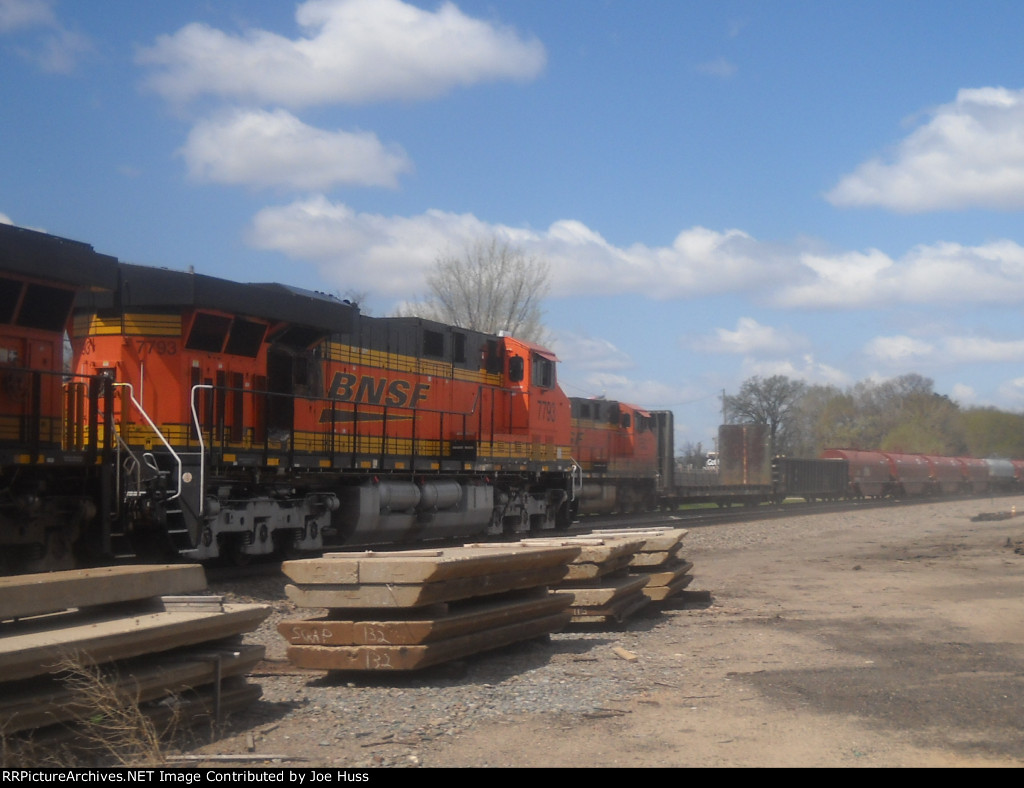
x=577 y=674
x=779 y=622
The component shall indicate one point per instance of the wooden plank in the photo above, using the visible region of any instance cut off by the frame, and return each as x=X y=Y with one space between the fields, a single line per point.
x=605 y=591
x=618 y=610
x=591 y=550
x=386 y=595
x=48 y=592
x=646 y=558
x=655 y=539
x=36 y=646
x=589 y=571
x=598 y=556
x=387 y=658
x=668 y=575
x=662 y=592
x=35 y=704
x=415 y=567
x=462 y=619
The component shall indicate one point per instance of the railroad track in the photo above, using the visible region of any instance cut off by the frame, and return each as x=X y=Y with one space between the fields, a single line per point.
x=681 y=518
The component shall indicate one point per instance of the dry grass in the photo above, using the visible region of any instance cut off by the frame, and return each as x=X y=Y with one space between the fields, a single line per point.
x=109 y=728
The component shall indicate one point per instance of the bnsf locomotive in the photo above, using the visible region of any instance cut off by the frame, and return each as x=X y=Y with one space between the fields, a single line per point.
x=215 y=418
x=145 y=412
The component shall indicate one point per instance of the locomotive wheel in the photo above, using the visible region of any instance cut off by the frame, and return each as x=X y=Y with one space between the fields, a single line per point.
x=562 y=518
x=232 y=554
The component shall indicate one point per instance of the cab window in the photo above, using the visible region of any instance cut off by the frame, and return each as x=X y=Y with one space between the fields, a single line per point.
x=516 y=369
x=543 y=372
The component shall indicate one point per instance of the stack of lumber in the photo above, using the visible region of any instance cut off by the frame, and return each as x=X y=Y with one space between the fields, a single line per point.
x=659 y=558
x=413 y=609
x=599 y=579
x=135 y=634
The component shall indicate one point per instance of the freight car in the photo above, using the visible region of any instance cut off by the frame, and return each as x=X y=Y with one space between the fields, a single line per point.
x=812 y=480
x=876 y=474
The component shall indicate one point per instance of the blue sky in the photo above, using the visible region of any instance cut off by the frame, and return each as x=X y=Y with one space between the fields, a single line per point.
x=826 y=190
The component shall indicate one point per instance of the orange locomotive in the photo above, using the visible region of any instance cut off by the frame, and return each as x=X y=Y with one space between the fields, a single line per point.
x=624 y=454
x=53 y=482
x=256 y=418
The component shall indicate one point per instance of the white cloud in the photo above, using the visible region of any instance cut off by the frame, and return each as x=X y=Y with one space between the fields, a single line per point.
x=61 y=51
x=806 y=368
x=259 y=148
x=900 y=351
x=591 y=354
x=750 y=337
x=940 y=273
x=58 y=50
x=699 y=262
x=980 y=349
x=964 y=394
x=644 y=393
x=1012 y=392
x=903 y=351
x=356 y=248
x=350 y=51
x=15 y=14
x=5 y=219
x=387 y=256
x=970 y=153
x=349 y=246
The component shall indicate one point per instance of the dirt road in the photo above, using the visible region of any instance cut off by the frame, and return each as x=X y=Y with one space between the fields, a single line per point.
x=889 y=637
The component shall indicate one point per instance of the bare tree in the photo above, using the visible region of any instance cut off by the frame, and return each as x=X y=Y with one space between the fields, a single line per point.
x=768 y=401
x=492 y=286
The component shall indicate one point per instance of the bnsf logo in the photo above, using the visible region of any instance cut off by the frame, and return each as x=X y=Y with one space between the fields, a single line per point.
x=346 y=387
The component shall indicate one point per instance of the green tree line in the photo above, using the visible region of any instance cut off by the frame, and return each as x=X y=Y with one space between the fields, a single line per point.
x=904 y=414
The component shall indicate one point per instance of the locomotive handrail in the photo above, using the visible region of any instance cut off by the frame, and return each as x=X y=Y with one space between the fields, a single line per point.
x=576 y=472
x=485 y=429
x=202 y=446
x=149 y=421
